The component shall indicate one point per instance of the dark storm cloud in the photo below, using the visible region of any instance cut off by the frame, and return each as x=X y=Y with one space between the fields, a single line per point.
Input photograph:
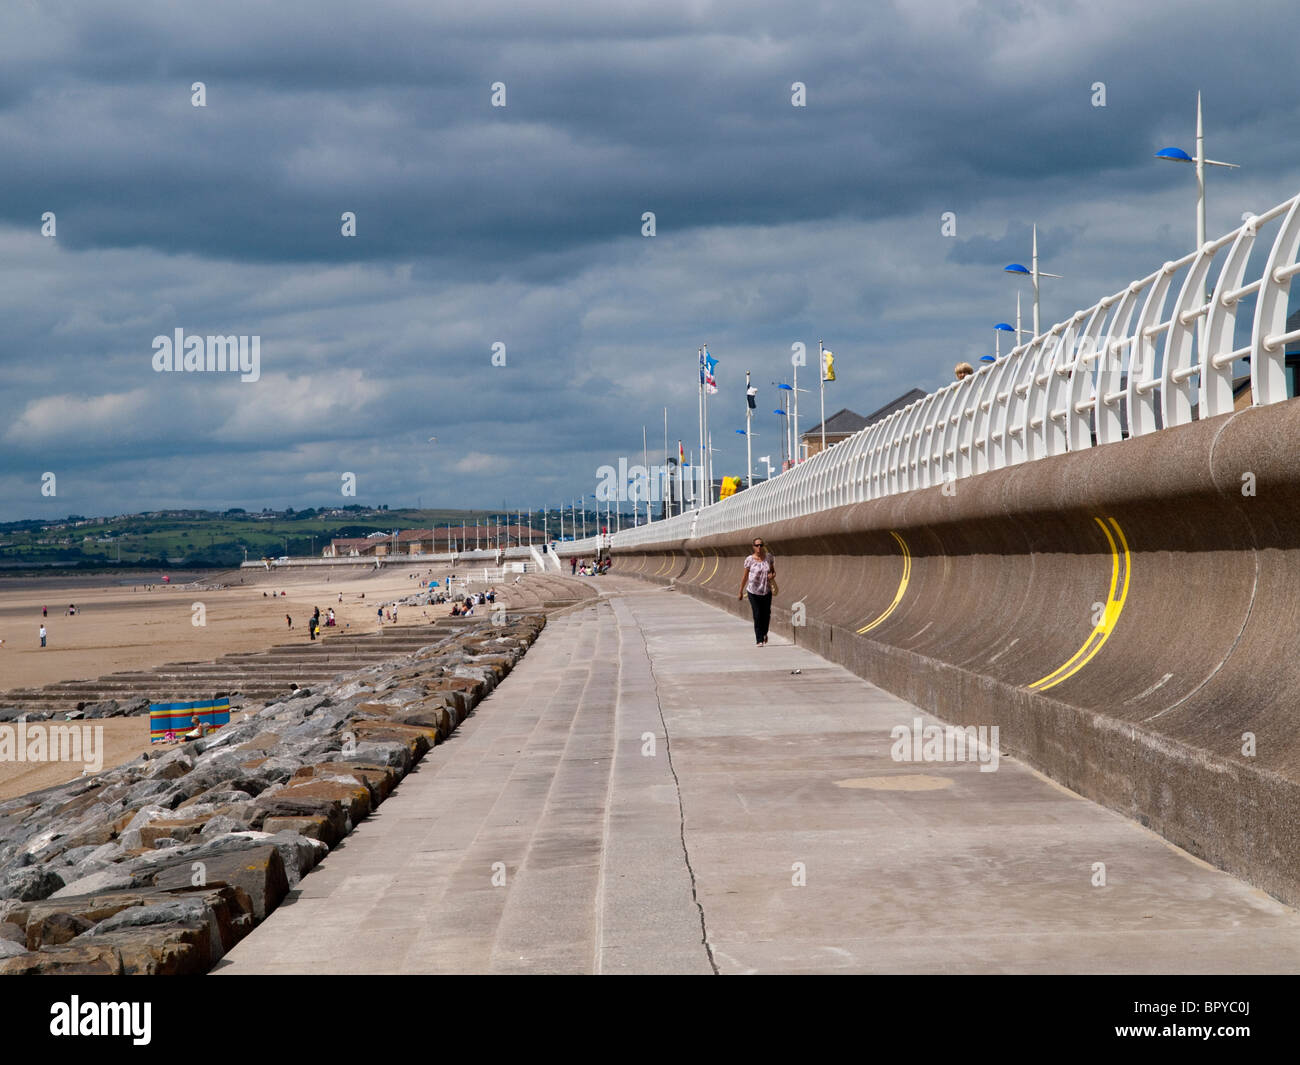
x=312 y=112
x=776 y=224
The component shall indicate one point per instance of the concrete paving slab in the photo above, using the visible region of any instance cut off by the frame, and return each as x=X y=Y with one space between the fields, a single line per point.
x=650 y=792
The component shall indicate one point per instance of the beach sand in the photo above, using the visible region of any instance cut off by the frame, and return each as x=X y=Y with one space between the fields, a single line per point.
x=121 y=627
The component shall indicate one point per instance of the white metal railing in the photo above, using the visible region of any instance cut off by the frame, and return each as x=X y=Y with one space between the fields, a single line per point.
x=585 y=547
x=1126 y=366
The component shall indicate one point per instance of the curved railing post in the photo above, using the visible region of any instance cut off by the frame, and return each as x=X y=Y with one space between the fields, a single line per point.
x=1269 y=337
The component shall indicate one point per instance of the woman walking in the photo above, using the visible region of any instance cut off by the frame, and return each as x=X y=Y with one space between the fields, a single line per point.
x=759 y=581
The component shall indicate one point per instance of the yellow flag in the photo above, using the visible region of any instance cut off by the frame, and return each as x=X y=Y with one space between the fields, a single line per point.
x=828 y=373
x=729 y=487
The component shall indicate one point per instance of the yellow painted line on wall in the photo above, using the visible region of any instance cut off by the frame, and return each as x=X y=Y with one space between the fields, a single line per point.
x=716 y=562
x=1114 y=607
x=687 y=576
x=902 y=585
x=703 y=562
x=665 y=563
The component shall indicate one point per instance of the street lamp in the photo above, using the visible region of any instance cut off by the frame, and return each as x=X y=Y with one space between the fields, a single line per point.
x=1177 y=155
x=785 y=436
x=1034 y=274
x=998 y=330
x=1005 y=327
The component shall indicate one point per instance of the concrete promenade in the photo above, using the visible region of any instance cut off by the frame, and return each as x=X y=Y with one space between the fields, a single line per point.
x=540 y=837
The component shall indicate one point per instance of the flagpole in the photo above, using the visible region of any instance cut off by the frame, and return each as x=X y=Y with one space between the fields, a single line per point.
x=680 y=501
x=701 y=351
x=645 y=464
x=794 y=435
x=667 y=509
x=821 y=377
x=749 y=443
x=709 y=462
x=708 y=441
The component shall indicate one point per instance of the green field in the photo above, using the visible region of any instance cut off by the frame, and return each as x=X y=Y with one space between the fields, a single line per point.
x=203 y=539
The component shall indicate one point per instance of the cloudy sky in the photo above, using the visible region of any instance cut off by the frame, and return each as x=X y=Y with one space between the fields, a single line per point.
x=522 y=224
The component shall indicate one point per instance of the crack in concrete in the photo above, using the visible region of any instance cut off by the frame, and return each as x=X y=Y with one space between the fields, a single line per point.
x=681 y=809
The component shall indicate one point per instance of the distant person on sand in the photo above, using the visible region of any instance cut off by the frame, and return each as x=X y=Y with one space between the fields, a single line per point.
x=573 y=565
x=289 y=620
x=759 y=581
x=42 y=635
x=45 y=611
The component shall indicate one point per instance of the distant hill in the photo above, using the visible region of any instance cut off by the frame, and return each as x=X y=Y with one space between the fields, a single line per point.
x=203 y=538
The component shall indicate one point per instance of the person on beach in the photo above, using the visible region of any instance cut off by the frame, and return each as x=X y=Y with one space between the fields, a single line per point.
x=45 y=611
x=962 y=370
x=759 y=581
x=289 y=620
x=42 y=635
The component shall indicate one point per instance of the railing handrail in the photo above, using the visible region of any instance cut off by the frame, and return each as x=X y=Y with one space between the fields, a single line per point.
x=1125 y=366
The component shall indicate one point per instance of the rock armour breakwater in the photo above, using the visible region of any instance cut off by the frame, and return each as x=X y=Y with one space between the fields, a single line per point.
x=162 y=865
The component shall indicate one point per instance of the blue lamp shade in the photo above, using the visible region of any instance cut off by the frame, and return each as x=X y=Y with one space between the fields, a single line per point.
x=1003 y=327
x=741 y=432
x=781 y=412
x=788 y=388
x=986 y=358
x=1016 y=268
x=1174 y=153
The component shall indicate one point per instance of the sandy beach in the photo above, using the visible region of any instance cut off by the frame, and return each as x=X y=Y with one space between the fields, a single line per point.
x=129 y=624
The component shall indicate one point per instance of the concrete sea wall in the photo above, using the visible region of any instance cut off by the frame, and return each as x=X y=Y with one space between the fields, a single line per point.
x=1128 y=616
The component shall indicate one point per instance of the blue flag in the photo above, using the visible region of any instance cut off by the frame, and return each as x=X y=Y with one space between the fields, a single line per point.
x=710 y=381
